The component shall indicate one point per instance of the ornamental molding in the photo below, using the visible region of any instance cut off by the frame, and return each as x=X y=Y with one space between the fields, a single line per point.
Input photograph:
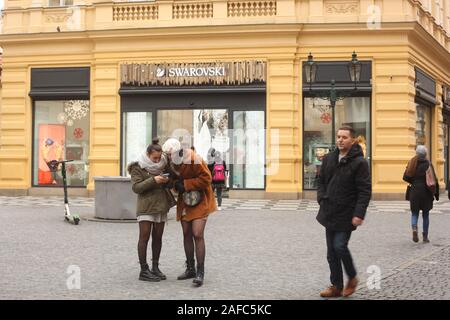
x=58 y=18
x=342 y=7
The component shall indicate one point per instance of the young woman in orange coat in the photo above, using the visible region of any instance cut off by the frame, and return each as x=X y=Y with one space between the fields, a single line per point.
x=193 y=174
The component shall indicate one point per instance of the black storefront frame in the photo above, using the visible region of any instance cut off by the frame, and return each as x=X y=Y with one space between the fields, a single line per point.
x=446 y=120
x=337 y=71
x=56 y=84
x=189 y=97
x=360 y=94
x=431 y=108
x=426 y=96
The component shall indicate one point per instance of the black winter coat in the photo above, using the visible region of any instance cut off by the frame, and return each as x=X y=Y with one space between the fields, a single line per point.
x=421 y=198
x=344 y=189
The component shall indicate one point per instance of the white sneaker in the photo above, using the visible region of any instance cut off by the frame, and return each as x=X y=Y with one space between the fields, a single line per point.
x=219 y=208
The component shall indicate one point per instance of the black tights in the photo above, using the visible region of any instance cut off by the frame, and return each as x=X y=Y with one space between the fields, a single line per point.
x=145 y=229
x=193 y=231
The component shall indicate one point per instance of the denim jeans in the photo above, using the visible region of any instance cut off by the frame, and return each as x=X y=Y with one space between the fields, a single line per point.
x=219 y=189
x=425 y=217
x=338 y=254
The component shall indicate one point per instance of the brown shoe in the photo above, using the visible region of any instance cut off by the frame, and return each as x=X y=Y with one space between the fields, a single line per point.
x=351 y=287
x=331 y=292
x=415 y=235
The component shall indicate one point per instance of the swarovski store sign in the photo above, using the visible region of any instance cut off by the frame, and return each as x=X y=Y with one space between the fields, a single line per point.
x=194 y=74
x=191 y=72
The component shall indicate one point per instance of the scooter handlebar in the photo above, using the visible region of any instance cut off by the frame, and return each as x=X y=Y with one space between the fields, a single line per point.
x=60 y=161
x=53 y=165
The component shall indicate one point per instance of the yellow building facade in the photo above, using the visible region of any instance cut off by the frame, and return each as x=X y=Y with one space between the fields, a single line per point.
x=404 y=46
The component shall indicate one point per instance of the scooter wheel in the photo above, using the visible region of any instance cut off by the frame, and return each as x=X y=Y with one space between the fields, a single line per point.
x=76 y=221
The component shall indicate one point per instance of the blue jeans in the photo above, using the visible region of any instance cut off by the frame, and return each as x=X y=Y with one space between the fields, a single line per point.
x=337 y=253
x=219 y=189
x=425 y=217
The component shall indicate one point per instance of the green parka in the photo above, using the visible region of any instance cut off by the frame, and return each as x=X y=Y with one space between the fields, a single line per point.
x=152 y=197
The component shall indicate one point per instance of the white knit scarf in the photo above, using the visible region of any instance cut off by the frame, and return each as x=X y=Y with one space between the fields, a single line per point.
x=152 y=167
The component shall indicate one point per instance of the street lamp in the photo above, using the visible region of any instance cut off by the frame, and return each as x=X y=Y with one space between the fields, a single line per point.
x=310 y=70
x=354 y=67
x=333 y=95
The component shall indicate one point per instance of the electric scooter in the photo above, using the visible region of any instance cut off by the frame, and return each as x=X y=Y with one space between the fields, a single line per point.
x=53 y=165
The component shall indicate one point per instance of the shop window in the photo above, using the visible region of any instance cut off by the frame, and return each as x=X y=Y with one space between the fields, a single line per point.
x=320 y=124
x=248 y=150
x=423 y=126
x=61 y=132
x=201 y=128
x=208 y=128
x=355 y=112
x=137 y=135
x=317 y=138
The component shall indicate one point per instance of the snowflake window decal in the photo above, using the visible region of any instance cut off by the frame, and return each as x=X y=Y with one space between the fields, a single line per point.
x=76 y=109
x=78 y=133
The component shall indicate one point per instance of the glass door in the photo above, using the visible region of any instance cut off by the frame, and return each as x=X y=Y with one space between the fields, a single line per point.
x=248 y=168
x=137 y=135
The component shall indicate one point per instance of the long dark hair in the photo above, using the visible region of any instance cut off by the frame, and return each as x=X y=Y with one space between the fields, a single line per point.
x=154 y=146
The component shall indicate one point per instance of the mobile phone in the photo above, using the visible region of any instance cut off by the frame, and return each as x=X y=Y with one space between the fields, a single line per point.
x=165 y=175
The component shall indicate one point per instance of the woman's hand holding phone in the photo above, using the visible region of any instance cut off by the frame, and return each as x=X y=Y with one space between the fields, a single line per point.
x=161 y=179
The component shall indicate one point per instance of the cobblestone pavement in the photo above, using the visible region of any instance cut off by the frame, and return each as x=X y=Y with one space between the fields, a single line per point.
x=425 y=278
x=442 y=206
x=251 y=254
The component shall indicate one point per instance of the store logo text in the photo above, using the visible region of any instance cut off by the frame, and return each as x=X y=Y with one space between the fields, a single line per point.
x=192 y=72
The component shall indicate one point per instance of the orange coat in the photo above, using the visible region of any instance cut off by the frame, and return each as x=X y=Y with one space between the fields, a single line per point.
x=196 y=176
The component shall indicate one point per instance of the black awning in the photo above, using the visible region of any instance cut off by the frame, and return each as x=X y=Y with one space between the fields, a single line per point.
x=60 y=83
x=338 y=71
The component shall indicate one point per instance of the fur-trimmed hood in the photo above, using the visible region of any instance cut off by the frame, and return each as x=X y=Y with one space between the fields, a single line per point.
x=131 y=165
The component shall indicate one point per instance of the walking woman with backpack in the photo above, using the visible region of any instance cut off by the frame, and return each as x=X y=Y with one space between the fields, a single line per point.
x=218 y=168
x=423 y=188
x=153 y=203
x=195 y=203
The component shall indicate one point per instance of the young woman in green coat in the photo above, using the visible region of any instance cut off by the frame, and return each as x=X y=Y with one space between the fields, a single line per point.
x=153 y=203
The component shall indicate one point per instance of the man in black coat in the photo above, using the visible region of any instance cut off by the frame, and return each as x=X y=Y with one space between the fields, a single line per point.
x=344 y=192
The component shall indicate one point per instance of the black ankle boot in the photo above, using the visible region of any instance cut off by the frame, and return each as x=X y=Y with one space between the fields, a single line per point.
x=415 y=235
x=190 y=271
x=200 y=275
x=425 y=237
x=146 y=275
x=157 y=272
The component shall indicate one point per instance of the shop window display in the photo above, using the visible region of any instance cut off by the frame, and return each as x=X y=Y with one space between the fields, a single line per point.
x=61 y=131
x=201 y=128
x=318 y=135
x=423 y=127
x=208 y=128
